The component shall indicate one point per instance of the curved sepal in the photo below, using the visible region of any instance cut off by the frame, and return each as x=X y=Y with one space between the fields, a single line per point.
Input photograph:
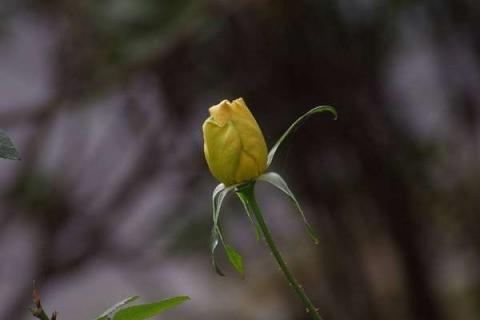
x=235 y=259
x=295 y=125
x=219 y=194
x=214 y=240
x=276 y=180
x=251 y=217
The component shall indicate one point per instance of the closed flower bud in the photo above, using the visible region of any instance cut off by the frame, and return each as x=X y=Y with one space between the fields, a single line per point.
x=234 y=145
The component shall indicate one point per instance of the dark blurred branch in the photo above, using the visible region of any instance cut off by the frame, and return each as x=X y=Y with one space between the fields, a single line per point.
x=29 y=114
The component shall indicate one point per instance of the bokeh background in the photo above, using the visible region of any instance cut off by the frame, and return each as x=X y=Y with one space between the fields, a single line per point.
x=112 y=197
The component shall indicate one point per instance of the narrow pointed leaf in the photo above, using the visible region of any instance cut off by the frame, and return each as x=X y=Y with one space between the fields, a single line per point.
x=276 y=180
x=145 y=311
x=235 y=259
x=7 y=149
x=295 y=125
x=110 y=311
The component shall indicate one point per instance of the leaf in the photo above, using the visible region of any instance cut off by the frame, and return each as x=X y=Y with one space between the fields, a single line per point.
x=145 y=311
x=110 y=311
x=235 y=259
x=295 y=125
x=7 y=149
x=276 y=180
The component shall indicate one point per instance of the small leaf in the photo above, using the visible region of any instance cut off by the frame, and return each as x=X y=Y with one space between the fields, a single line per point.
x=295 y=125
x=235 y=259
x=145 y=311
x=108 y=314
x=7 y=149
x=276 y=180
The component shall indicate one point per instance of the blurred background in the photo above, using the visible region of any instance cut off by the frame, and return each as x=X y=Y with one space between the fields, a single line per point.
x=112 y=197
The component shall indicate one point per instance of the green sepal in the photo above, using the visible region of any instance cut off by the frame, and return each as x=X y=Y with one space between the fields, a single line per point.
x=253 y=221
x=219 y=194
x=235 y=259
x=7 y=148
x=214 y=240
x=145 y=311
x=276 y=180
x=110 y=311
x=295 y=125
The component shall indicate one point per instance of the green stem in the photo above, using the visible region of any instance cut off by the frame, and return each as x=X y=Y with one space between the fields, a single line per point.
x=38 y=312
x=247 y=195
x=41 y=315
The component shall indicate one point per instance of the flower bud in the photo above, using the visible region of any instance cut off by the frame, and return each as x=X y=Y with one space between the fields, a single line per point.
x=234 y=145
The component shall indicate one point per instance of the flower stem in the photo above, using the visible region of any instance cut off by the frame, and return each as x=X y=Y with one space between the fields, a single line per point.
x=38 y=312
x=247 y=195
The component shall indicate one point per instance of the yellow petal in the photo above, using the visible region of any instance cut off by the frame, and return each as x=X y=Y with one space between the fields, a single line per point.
x=234 y=145
x=221 y=112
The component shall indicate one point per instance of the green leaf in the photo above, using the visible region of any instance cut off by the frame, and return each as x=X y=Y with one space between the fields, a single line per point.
x=108 y=314
x=145 y=311
x=276 y=180
x=295 y=125
x=235 y=259
x=7 y=149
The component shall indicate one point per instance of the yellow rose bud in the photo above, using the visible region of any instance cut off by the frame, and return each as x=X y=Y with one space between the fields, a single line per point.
x=233 y=143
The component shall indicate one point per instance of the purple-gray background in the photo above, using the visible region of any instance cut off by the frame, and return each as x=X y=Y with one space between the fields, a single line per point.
x=105 y=100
